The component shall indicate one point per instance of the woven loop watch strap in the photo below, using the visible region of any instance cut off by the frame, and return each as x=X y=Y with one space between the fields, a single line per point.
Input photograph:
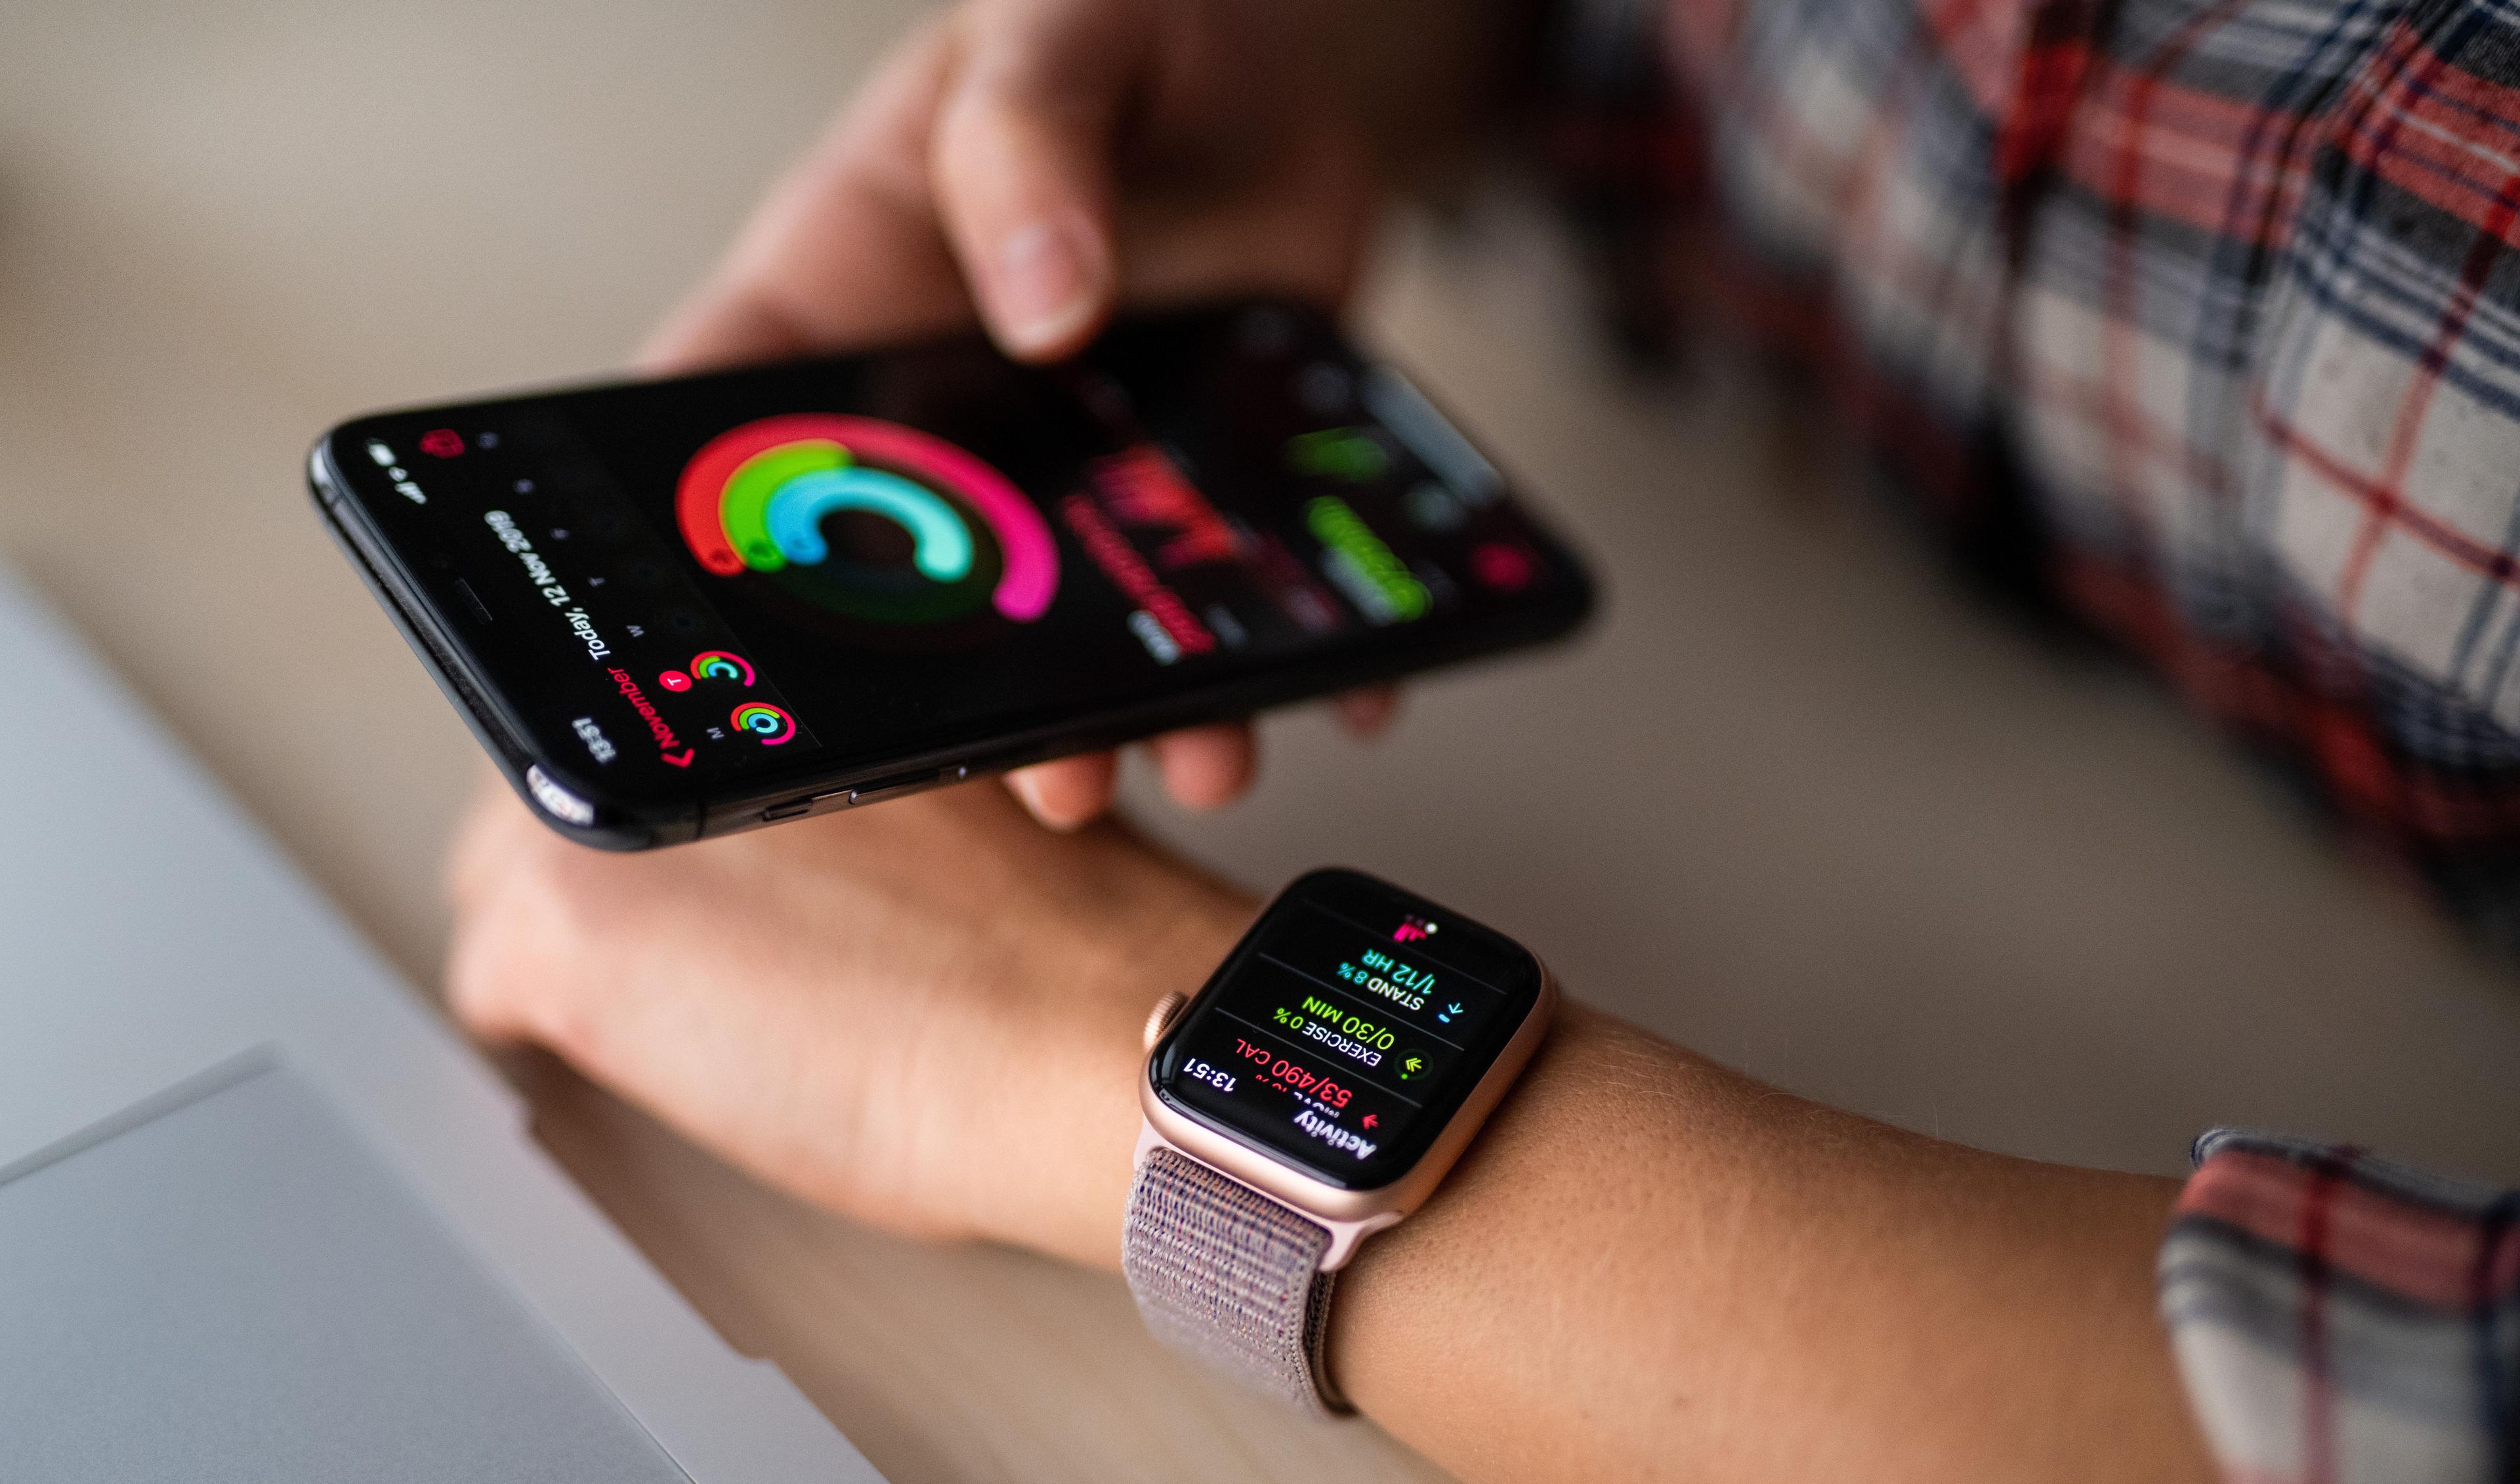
x=1227 y=1274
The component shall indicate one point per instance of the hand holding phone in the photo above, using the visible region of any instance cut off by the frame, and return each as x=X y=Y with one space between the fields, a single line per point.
x=676 y=609
x=1027 y=164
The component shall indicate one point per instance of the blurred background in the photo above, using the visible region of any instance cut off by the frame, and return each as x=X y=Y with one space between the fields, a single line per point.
x=1794 y=799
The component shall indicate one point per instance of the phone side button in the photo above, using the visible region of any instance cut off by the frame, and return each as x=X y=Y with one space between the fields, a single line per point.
x=896 y=787
x=788 y=811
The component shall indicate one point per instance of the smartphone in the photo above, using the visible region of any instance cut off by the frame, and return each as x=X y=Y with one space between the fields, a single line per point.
x=676 y=609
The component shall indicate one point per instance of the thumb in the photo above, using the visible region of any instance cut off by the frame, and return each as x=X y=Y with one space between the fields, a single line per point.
x=1022 y=160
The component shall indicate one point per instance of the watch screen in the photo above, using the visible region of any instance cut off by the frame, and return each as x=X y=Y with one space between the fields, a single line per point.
x=1347 y=1028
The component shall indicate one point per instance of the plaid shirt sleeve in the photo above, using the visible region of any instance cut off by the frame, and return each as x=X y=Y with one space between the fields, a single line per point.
x=2197 y=321
x=2342 y=1319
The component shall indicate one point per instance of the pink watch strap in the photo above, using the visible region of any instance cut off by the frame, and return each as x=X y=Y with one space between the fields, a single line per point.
x=1227 y=1274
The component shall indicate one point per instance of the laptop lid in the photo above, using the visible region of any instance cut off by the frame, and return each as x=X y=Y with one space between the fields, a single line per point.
x=252 y=1189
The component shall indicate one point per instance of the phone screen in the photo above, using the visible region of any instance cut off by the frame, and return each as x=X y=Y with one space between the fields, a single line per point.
x=804 y=568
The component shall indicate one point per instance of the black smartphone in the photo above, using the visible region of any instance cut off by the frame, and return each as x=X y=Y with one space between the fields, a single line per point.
x=676 y=609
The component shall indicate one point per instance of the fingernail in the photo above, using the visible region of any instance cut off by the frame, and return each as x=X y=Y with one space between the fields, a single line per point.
x=1046 y=283
x=1027 y=788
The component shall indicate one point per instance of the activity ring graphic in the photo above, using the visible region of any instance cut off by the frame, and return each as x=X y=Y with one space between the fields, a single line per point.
x=754 y=498
x=718 y=664
x=766 y=723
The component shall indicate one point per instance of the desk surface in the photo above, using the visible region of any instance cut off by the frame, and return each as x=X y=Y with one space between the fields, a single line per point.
x=1794 y=801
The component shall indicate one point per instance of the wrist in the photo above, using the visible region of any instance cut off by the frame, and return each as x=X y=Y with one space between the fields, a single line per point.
x=1057 y=1141
x=1316 y=1091
x=1398 y=1312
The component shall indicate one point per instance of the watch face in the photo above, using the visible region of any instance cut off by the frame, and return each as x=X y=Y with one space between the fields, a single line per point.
x=1346 y=1029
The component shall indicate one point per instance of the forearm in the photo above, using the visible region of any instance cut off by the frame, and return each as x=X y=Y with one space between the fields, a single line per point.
x=1651 y=1265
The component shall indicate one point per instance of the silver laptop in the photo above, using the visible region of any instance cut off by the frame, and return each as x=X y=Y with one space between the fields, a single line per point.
x=262 y=1216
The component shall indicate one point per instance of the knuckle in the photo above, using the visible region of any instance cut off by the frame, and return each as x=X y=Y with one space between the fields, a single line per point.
x=562 y=1017
x=480 y=988
x=522 y=945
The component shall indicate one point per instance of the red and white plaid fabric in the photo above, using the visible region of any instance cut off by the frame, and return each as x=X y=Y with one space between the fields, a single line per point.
x=2199 y=321
x=2340 y=1317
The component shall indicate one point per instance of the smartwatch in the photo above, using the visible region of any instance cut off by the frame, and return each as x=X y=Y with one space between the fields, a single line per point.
x=1314 y=1092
